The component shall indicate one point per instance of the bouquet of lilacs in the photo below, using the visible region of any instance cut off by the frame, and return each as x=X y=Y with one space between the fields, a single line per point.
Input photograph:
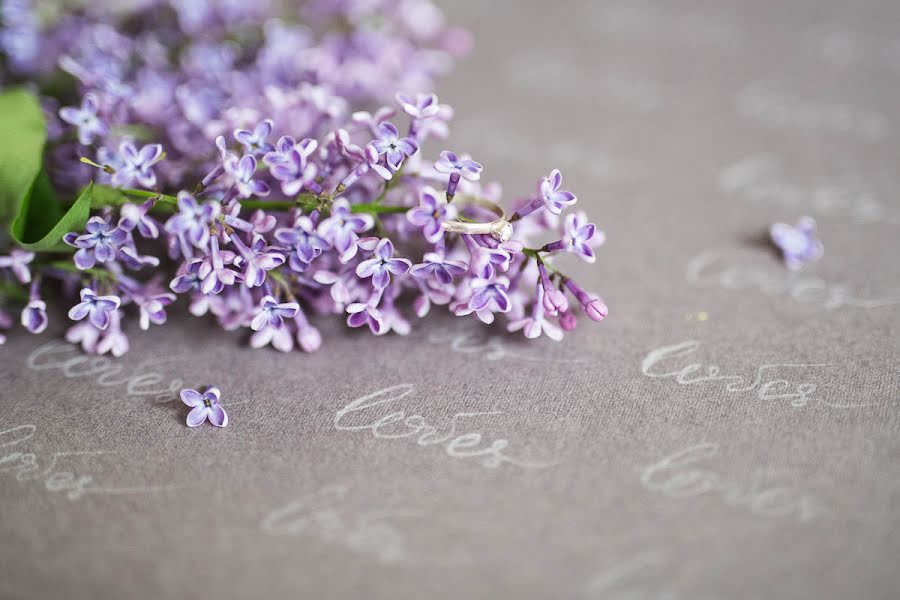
x=266 y=164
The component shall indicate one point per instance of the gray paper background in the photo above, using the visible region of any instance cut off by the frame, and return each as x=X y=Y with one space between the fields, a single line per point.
x=686 y=129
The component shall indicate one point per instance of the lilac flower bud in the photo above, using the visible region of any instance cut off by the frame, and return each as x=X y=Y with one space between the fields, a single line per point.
x=593 y=307
x=567 y=320
x=308 y=337
x=554 y=300
x=34 y=316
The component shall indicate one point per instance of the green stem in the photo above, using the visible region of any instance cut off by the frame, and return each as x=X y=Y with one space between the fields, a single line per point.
x=535 y=253
x=306 y=202
x=93 y=272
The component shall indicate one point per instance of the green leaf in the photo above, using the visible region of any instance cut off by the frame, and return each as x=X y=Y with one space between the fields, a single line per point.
x=26 y=196
x=46 y=233
x=23 y=133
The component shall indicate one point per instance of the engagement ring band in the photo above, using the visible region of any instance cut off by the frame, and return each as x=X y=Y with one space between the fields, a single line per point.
x=500 y=228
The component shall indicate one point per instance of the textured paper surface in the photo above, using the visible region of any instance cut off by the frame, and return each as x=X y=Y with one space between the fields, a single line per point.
x=604 y=469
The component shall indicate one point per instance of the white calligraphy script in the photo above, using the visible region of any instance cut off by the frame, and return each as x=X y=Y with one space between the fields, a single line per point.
x=398 y=425
x=677 y=476
x=58 y=472
x=707 y=270
x=766 y=387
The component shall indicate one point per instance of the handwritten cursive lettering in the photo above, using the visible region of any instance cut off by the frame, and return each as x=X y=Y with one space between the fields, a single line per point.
x=706 y=270
x=695 y=373
x=56 y=355
x=24 y=466
x=675 y=476
x=399 y=425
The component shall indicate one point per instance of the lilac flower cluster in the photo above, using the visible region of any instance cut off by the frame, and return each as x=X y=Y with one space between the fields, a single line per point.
x=177 y=72
x=296 y=207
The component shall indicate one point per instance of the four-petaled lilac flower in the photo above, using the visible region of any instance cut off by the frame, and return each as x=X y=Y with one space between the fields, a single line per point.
x=578 y=238
x=302 y=242
x=294 y=172
x=457 y=167
x=256 y=260
x=437 y=266
x=287 y=144
x=281 y=338
x=490 y=295
x=204 y=406
x=85 y=119
x=99 y=244
x=431 y=214
x=256 y=141
x=382 y=265
x=133 y=216
x=798 y=244
x=555 y=199
x=272 y=313
x=242 y=172
x=189 y=278
x=17 y=262
x=549 y=196
x=98 y=308
x=393 y=147
x=153 y=308
x=342 y=227
x=138 y=165
x=213 y=271
x=423 y=106
x=371 y=121
x=113 y=340
x=193 y=219
x=536 y=324
x=365 y=314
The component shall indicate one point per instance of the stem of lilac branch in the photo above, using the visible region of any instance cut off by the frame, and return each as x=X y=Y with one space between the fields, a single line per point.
x=307 y=202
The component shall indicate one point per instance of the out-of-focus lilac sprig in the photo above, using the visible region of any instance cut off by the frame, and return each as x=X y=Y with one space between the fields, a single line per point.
x=270 y=201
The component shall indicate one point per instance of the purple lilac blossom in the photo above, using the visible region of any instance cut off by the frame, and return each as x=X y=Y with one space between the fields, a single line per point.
x=382 y=265
x=431 y=214
x=247 y=245
x=394 y=149
x=100 y=243
x=204 y=406
x=457 y=167
x=138 y=165
x=798 y=244
x=85 y=119
x=97 y=308
x=17 y=261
